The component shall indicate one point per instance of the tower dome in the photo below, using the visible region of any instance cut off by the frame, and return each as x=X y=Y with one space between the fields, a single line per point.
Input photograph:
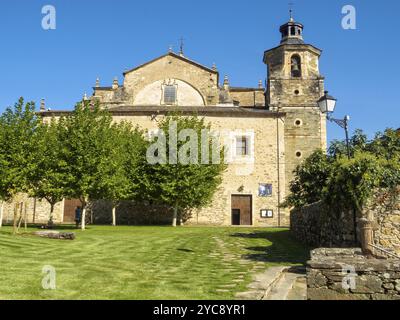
x=292 y=32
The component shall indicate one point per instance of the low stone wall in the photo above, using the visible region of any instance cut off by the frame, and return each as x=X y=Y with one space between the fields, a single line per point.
x=317 y=226
x=130 y=213
x=345 y=274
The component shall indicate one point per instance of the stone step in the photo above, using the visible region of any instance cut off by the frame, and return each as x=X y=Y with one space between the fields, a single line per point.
x=290 y=286
x=281 y=289
x=299 y=290
x=262 y=284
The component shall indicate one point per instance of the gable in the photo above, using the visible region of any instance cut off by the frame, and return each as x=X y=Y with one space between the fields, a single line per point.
x=171 y=54
x=172 y=66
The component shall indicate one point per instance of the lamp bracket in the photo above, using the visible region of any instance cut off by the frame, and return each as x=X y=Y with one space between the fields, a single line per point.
x=343 y=123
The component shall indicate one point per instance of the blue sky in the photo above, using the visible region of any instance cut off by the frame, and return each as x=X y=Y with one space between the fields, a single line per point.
x=102 y=38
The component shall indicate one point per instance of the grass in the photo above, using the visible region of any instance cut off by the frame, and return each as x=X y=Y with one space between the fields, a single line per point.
x=143 y=263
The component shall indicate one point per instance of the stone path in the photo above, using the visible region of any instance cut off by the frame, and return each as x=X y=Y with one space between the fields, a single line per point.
x=277 y=283
x=274 y=283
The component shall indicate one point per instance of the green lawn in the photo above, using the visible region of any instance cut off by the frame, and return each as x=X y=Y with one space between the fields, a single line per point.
x=143 y=262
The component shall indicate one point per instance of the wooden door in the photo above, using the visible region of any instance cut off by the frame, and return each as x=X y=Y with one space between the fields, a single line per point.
x=242 y=206
x=69 y=210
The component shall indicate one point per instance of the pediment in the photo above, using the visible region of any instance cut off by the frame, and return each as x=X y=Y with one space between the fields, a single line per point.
x=173 y=56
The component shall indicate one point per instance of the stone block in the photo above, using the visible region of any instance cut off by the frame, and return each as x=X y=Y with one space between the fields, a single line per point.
x=328 y=294
x=368 y=284
x=316 y=279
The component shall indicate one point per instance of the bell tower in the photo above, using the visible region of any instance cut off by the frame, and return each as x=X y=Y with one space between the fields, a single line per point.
x=294 y=87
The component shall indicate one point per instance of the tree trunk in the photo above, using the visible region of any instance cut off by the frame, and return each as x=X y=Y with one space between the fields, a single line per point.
x=83 y=222
x=25 y=217
x=175 y=217
x=34 y=211
x=1 y=213
x=114 y=216
x=15 y=218
x=51 y=223
x=20 y=217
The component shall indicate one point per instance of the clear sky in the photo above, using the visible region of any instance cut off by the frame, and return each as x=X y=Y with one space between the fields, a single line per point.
x=102 y=38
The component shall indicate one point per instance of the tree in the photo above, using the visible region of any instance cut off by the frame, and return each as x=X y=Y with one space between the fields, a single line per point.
x=309 y=180
x=4 y=176
x=386 y=144
x=349 y=183
x=182 y=182
x=86 y=142
x=51 y=175
x=352 y=182
x=358 y=142
x=121 y=177
x=18 y=146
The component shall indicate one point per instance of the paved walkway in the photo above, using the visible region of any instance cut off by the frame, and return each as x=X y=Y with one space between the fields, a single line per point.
x=277 y=283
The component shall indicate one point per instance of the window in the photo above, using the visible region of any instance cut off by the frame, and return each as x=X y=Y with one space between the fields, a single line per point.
x=265 y=190
x=169 y=94
x=296 y=66
x=242 y=146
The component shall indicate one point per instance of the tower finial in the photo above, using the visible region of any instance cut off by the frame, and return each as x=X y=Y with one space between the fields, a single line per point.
x=291 y=4
x=182 y=44
x=226 y=82
x=115 y=84
x=42 y=105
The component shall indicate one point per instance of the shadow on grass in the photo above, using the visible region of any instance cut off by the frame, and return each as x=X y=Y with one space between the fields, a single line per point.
x=280 y=247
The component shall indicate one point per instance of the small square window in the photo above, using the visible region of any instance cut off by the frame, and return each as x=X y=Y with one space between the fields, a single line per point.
x=267 y=214
x=243 y=146
x=265 y=190
x=170 y=94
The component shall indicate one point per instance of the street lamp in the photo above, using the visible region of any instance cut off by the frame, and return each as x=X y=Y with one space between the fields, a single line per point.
x=327 y=105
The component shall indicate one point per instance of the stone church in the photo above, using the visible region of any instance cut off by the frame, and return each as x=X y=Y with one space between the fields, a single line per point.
x=271 y=130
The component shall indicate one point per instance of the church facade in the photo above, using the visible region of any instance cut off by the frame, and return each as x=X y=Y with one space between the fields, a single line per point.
x=270 y=130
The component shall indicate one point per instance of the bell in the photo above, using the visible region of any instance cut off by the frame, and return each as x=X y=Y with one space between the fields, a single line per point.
x=295 y=66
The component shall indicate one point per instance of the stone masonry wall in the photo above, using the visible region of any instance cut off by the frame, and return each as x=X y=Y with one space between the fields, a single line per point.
x=37 y=211
x=345 y=274
x=386 y=214
x=317 y=226
x=129 y=213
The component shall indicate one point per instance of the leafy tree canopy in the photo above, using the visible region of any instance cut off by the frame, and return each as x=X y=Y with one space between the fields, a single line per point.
x=348 y=183
x=185 y=186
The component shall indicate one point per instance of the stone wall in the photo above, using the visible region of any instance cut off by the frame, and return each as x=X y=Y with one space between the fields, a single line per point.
x=318 y=226
x=345 y=274
x=129 y=213
x=386 y=214
x=37 y=211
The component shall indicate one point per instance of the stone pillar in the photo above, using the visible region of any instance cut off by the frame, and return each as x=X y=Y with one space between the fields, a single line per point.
x=367 y=236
